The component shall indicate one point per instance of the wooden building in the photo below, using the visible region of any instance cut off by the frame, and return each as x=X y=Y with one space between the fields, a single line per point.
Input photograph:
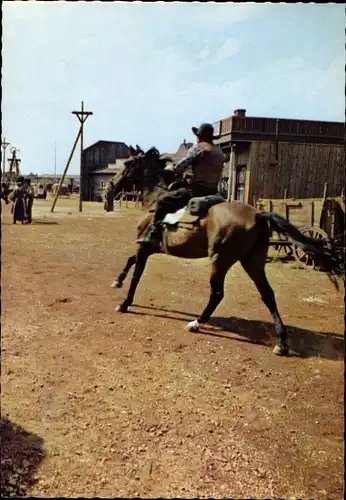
x=180 y=152
x=98 y=161
x=99 y=179
x=277 y=158
x=47 y=180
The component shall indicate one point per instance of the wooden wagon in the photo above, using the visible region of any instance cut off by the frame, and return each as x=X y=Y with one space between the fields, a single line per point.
x=317 y=217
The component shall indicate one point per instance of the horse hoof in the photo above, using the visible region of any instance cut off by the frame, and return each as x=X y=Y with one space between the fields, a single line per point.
x=116 y=284
x=193 y=326
x=122 y=308
x=281 y=350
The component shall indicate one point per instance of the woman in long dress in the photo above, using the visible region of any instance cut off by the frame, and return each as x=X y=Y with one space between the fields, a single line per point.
x=19 y=203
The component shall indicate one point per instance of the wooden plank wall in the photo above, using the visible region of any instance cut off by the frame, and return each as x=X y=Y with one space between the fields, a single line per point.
x=302 y=170
x=302 y=213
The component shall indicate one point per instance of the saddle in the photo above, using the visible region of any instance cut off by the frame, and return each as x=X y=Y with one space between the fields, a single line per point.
x=196 y=209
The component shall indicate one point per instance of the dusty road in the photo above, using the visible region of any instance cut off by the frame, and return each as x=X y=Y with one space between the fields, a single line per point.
x=133 y=405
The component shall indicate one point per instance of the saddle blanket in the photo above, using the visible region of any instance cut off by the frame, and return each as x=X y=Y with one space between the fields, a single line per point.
x=172 y=219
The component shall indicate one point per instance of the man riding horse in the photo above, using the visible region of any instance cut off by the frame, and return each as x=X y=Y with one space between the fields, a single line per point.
x=227 y=232
x=204 y=161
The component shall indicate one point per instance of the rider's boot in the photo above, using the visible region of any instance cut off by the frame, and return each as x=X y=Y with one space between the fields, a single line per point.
x=152 y=235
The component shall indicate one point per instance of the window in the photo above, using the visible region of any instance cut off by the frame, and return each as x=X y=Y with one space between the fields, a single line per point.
x=240 y=183
x=102 y=184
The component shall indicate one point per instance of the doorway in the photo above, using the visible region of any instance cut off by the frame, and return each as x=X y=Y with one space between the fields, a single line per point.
x=240 y=182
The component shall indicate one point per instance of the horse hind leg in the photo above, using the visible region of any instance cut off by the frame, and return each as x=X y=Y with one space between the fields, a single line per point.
x=118 y=283
x=254 y=265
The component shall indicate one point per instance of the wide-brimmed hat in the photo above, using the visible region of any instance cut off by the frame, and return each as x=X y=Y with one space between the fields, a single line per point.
x=204 y=131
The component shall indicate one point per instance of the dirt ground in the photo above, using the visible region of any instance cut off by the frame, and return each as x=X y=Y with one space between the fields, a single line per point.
x=98 y=403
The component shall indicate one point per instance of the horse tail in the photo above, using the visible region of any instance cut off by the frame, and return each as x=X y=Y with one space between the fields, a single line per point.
x=319 y=249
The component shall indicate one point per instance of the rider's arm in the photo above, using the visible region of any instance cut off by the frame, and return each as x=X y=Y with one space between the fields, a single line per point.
x=192 y=155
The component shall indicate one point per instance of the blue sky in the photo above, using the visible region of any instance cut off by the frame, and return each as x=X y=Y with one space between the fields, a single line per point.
x=149 y=71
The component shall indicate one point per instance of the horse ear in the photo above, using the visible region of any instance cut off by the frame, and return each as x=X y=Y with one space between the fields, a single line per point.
x=139 y=149
x=133 y=151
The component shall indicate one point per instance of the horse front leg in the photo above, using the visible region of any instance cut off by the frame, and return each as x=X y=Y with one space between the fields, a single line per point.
x=217 y=280
x=118 y=283
x=141 y=260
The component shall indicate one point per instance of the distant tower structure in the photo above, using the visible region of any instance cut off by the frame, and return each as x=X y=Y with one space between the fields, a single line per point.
x=4 y=145
x=14 y=170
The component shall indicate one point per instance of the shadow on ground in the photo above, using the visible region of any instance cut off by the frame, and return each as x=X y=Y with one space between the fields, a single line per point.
x=21 y=454
x=44 y=222
x=306 y=343
x=34 y=223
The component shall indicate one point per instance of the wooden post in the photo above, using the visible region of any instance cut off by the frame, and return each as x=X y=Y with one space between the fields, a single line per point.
x=325 y=191
x=277 y=141
x=312 y=214
x=285 y=194
x=81 y=190
x=231 y=175
x=66 y=168
x=82 y=117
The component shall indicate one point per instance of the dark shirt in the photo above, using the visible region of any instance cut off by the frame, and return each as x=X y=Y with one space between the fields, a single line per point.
x=190 y=160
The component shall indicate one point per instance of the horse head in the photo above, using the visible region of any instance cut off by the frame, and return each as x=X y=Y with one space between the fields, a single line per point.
x=146 y=170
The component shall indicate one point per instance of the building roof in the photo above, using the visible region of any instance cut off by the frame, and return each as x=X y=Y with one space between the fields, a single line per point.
x=105 y=171
x=111 y=169
x=248 y=128
x=181 y=151
x=58 y=176
x=106 y=142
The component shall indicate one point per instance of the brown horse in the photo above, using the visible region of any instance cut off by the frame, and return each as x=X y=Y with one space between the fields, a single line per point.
x=228 y=232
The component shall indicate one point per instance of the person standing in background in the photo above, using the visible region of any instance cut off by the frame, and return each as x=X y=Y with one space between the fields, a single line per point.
x=29 y=199
x=19 y=203
x=109 y=197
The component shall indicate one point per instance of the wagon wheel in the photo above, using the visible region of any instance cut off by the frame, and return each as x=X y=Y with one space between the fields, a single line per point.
x=288 y=249
x=300 y=255
x=339 y=246
x=281 y=248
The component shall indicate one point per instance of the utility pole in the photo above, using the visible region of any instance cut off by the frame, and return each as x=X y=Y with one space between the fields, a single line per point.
x=54 y=160
x=64 y=173
x=4 y=145
x=82 y=117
